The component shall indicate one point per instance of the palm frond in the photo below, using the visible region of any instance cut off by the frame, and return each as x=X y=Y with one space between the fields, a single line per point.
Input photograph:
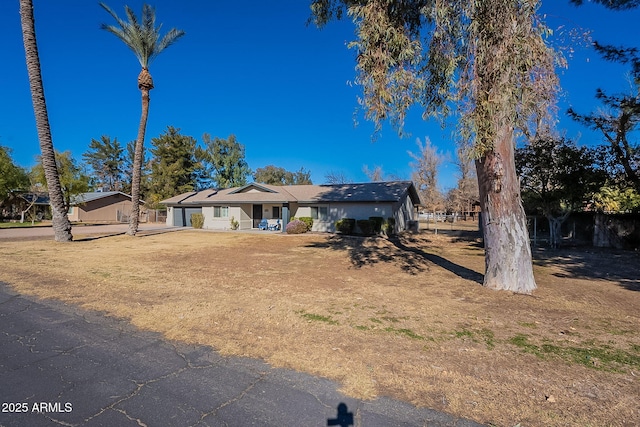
x=133 y=19
x=113 y=14
x=141 y=36
x=149 y=18
x=170 y=38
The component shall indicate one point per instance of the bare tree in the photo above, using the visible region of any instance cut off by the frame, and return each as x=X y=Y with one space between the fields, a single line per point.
x=339 y=177
x=375 y=175
x=425 y=174
x=466 y=193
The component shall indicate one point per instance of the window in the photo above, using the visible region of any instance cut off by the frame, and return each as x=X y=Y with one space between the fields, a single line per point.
x=276 y=212
x=220 y=211
x=319 y=212
x=70 y=211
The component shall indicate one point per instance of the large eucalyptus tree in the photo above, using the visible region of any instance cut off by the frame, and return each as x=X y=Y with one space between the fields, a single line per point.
x=488 y=60
x=143 y=38
x=61 y=223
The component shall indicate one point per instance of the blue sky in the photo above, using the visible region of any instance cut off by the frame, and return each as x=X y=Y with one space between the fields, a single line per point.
x=253 y=69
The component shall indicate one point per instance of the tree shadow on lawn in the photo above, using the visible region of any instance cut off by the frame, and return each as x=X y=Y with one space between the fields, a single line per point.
x=621 y=267
x=90 y=238
x=139 y=234
x=403 y=251
x=471 y=238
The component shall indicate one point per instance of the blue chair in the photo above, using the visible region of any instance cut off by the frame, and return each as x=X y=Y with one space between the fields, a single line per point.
x=275 y=227
x=264 y=224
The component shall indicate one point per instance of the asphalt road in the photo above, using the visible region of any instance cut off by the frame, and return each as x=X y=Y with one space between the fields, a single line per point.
x=64 y=366
x=78 y=231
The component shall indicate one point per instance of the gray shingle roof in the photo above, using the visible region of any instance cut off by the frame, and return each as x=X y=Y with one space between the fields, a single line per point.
x=43 y=198
x=89 y=197
x=391 y=191
x=40 y=198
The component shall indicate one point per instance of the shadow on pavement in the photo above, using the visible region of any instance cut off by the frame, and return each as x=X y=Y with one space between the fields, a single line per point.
x=344 y=417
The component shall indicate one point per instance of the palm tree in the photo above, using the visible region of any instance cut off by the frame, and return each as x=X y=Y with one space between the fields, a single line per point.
x=143 y=38
x=61 y=223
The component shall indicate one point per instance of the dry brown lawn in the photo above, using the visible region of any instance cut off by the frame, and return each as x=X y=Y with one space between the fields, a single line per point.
x=405 y=318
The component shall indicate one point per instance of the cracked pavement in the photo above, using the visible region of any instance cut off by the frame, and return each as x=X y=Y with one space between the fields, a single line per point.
x=64 y=366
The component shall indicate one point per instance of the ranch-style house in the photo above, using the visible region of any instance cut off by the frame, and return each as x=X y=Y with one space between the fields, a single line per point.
x=252 y=203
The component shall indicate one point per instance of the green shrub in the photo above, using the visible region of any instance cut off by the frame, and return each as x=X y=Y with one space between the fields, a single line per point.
x=296 y=227
x=365 y=226
x=307 y=220
x=234 y=224
x=346 y=225
x=197 y=220
x=389 y=226
x=376 y=223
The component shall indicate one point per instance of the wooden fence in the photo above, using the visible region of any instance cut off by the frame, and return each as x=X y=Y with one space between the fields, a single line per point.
x=620 y=231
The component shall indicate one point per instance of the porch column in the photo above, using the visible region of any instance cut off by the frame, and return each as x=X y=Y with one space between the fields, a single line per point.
x=285 y=216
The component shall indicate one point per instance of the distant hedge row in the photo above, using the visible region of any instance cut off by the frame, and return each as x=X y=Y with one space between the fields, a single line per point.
x=367 y=227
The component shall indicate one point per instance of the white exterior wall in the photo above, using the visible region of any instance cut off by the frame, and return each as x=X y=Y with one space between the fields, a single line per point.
x=268 y=211
x=302 y=211
x=170 y=211
x=239 y=213
x=211 y=223
x=336 y=211
x=243 y=216
x=404 y=213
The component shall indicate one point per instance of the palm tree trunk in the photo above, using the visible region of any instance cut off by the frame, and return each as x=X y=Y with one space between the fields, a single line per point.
x=137 y=165
x=61 y=224
x=507 y=253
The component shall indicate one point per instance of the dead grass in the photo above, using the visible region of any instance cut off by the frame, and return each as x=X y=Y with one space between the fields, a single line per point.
x=405 y=318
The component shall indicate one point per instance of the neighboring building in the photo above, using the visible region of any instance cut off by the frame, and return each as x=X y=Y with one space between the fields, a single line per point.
x=108 y=206
x=27 y=207
x=324 y=203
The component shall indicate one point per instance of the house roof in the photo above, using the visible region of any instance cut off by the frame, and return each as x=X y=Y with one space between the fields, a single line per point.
x=43 y=198
x=40 y=198
x=386 y=191
x=181 y=197
x=89 y=197
x=391 y=191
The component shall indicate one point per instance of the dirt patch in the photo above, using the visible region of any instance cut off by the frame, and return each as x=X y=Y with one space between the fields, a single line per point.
x=405 y=317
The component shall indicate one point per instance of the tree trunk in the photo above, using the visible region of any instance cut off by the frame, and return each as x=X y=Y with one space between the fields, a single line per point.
x=554 y=232
x=506 y=238
x=34 y=198
x=137 y=165
x=555 y=228
x=61 y=223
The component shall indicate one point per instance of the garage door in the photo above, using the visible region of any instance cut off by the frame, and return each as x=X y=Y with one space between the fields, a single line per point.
x=182 y=216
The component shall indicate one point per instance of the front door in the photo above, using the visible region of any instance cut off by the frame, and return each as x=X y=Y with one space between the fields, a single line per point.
x=257 y=215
